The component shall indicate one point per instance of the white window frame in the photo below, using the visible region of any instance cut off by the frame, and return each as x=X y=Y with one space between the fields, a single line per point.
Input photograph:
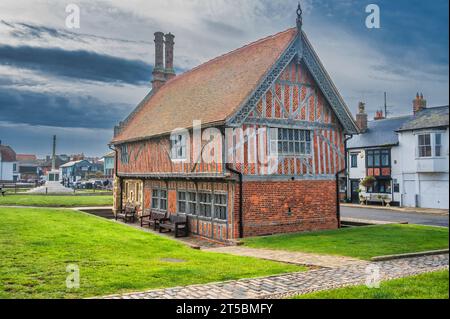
x=433 y=145
x=178 y=147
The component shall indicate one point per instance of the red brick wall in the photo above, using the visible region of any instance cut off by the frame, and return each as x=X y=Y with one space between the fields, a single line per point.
x=267 y=204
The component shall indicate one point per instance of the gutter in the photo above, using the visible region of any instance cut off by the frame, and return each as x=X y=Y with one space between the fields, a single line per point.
x=241 y=194
x=338 y=205
x=241 y=200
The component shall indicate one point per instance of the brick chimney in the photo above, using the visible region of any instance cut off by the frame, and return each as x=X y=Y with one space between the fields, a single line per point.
x=169 y=70
x=379 y=116
x=158 y=70
x=419 y=103
x=361 y=117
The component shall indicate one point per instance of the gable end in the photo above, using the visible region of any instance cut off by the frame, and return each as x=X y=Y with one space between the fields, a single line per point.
x=301 y=48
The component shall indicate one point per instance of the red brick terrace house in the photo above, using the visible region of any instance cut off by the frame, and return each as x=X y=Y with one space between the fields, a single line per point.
x=276 y=86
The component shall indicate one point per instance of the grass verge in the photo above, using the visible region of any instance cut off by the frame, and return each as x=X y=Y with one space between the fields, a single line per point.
x=36 y=246
x=359 y=242
x=56 y=200
x=426 y=286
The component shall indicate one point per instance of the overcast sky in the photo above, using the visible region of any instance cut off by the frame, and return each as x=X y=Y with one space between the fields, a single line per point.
x=78 y=83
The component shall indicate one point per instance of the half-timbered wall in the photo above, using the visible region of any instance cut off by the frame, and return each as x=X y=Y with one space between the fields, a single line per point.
x=207 y=227
x=152 y=157
x=294 y=101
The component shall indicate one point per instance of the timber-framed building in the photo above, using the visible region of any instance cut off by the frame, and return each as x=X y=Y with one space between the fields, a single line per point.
x=276 y=86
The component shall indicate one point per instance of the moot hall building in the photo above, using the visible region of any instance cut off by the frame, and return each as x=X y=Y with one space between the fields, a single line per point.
x=277 y=86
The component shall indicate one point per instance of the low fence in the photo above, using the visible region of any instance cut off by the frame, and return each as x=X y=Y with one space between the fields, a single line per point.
x=17 y=187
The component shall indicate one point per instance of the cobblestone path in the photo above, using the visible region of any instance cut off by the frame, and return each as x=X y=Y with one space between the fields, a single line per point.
x=297 y=283
x=291 y=257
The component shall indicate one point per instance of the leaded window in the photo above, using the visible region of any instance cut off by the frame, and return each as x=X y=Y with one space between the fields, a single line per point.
x=285 y=141
x=205 y=202
x=178 y=142
x=159 y=199
x=220 y=206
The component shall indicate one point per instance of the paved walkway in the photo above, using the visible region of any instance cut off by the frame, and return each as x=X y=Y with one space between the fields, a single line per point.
x=297 y=283
x=363 y=212
x=414 y=210
x=51 y=188
x=291 y=257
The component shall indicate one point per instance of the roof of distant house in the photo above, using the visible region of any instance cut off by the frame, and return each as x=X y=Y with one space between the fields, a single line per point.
x=379 y=133
x=110 y=154
x=26 y=157
x=7 y=154
x=72 y=163
x=432 y=117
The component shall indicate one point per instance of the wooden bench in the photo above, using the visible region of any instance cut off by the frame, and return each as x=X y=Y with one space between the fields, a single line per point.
x=176 y=223
x=128 y=214
x=152 y=217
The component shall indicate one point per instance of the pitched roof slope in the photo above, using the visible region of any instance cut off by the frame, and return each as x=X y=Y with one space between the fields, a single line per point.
x=428 y=118
x=7 y=154
x=210 y=92
x=379 y=133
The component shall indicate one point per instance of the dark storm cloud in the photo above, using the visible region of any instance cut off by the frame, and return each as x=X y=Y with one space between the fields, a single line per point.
x=81 y=65
x=48 y=109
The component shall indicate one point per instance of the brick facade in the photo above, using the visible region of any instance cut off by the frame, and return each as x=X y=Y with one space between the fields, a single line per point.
x=288 y=206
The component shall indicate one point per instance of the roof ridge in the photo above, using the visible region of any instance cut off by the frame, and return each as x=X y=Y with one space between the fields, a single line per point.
x=228 y=53
x=392 y=118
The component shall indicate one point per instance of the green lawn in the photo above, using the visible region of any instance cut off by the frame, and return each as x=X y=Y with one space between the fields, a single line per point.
x=359 y=242
x=56 y=201
x=36 y=245
x=425 y=286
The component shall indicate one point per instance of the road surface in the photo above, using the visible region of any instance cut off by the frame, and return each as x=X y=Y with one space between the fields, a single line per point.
x=388 y=215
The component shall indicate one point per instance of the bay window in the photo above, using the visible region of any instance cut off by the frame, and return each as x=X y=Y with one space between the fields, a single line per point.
x=430 y=145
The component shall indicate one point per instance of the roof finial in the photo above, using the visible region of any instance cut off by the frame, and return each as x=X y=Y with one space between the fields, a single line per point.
x=299 y=16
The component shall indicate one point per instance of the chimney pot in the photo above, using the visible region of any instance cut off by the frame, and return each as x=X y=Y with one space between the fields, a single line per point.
x=379 y=116
x=361 y=117
x=419 y=103
x=169 y=44
x=158 y=69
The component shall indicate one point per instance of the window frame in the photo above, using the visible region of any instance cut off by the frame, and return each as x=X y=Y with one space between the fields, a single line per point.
x=428 y=147
x=221 y=205
x=205 y=204
x=194 y=202
x=376 y=155
x=433 y=145
x=159 y=199
x=290 y=142
x=375 y=188
x=354 y=156
x=177 y=145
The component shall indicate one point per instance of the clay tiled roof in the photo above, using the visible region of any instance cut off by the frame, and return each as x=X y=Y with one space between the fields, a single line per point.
x=26 y=157
x=7 y=154
x=210 y=93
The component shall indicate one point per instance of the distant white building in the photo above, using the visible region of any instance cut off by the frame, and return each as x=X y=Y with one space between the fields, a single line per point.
x=8 y=164
x=408 y=156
